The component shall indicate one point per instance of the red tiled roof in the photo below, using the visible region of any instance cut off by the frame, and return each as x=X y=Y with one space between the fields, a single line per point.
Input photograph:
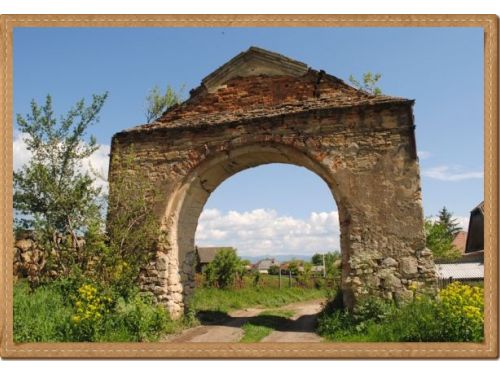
x=460 y=240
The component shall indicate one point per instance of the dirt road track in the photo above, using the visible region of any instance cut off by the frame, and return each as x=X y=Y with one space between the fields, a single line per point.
x=299 y=328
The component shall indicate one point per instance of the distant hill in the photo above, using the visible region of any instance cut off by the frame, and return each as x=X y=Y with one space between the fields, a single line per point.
x=280 y=258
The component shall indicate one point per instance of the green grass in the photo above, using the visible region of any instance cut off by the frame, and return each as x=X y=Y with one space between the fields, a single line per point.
x=254 y=333
x=262 y=325
x=44 y=315
x=209 y=299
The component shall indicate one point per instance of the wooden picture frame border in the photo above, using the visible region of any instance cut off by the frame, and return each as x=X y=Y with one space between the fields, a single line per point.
x=488 y=349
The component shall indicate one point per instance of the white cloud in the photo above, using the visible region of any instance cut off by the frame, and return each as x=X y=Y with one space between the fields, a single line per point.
x=97 y=163
x=20 y=151
x=424 y=154
x=263 y=232
x=446 y=173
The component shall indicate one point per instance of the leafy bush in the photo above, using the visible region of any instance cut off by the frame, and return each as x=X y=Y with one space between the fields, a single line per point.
x=90 y=309
x=338 y=323
x=224 y=269
x=136 y=320
x=273 y=269
x=456 y=315
x=461 y=311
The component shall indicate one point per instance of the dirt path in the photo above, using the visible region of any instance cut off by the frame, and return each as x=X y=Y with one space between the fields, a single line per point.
x=299 y=328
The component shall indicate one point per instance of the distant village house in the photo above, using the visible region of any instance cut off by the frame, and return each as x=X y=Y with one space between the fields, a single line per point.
x=262 y=266
x=470 y=267
x=205 y=255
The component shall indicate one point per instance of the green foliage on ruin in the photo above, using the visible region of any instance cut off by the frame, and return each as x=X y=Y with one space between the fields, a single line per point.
x=157 y=103
x=132 y=227
x=368 y=83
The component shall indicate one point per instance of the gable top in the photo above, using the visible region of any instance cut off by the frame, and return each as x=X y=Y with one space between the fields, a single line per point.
x=254 y=62
x=262 y=84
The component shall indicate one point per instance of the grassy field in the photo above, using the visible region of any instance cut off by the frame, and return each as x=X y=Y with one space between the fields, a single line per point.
x=49 y=313
x=209 y=299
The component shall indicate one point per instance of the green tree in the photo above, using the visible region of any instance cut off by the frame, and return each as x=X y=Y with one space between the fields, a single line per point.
x=304 y=274
x=53 y=195
x=224 y=269
x=446 y=219
x=294 y=266
x=317 y=259
x=274 y=269
x=157 y=103
x=368 y=84
x=331 y=259
x=440 y=241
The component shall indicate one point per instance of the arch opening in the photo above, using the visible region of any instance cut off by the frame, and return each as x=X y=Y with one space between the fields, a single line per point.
x=271 y=211
x=198 y=186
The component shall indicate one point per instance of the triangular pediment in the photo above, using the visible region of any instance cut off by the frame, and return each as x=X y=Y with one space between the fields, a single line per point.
x=253 y=62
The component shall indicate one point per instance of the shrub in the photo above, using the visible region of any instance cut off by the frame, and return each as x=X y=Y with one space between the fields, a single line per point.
x=224 y=269
x=338 y=323
x=456 y=315
x=90 y=309
x=461 y=311
x=273 y=269
x=136 y=320
x=414 y=322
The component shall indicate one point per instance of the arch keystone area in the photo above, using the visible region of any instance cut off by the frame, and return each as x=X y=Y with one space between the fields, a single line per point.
x=262 y=107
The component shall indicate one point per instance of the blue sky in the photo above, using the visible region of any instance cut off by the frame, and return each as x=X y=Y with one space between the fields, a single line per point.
x=441 y=68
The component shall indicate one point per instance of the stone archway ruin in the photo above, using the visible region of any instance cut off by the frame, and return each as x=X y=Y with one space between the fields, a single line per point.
x=262 y=107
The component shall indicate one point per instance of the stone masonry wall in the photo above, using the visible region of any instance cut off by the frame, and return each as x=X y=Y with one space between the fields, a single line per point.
x=366 y=155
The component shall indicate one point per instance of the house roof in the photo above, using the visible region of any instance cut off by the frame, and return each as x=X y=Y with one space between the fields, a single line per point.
x=207 y=254
x=479 y=207
x=475 y=237
x=262 y=84
x=460 y=240
x=458 y=271
x=265 y=264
